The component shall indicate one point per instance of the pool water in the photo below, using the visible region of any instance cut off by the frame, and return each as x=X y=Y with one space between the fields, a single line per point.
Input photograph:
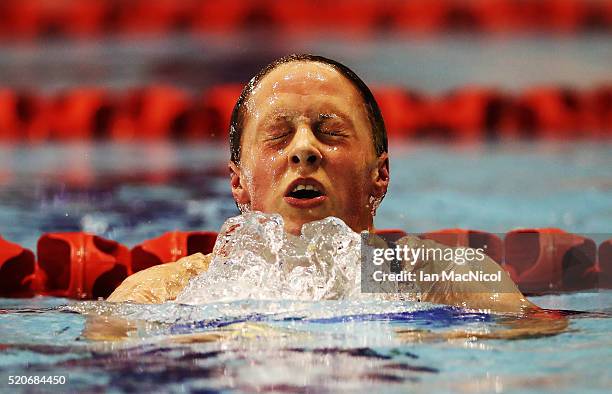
x=130 y=193
x=302 y=347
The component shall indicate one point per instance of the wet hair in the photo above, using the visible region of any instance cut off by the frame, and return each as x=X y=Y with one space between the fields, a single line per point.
x=238 y=120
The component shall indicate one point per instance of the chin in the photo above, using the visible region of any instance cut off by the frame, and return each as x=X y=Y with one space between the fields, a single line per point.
x=294 y=226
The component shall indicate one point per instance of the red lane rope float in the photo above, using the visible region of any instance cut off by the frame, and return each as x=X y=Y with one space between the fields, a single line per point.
x=153 y=17
x=80 y=265
x=471 y=113
x=599 y=117
x=303 y=16
x=16 y=270
x=85 y=266
x=31 y=18
x=474 y=113
x=566 y=15
x=604 y=256
x=154 y=112
x=223 y=16
x=158 y=112
x=490 y=243
x=87 y=18
x=84 y=18
x=171 y=246
x=218 y=103
x=421 y=16
x=405 y=112
x=498 y=16
x=23 y=117
x=550 y=259
x=82 y=114
x=553 y=112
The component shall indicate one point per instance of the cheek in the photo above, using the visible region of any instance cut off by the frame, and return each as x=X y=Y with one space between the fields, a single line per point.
x=350 y=160
x=270 y=165
x=265 y=175
x=349 y=169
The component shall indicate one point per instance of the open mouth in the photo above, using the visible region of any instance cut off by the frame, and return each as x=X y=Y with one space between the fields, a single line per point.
x=305 y=193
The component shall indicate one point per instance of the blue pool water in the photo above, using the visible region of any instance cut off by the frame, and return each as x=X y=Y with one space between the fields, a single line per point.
x=303 y=347
x=130 y=193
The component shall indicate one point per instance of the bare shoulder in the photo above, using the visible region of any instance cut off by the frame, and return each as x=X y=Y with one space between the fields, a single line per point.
x=162 y=282
x=499 y=296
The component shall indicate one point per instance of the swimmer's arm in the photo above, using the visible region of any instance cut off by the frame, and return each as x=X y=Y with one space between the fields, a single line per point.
x=501 y=296
x=107 y=328
x=160 y=283
x=534 y=325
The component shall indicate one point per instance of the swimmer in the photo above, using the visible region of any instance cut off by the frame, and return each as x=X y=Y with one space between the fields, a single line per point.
x=308 y=141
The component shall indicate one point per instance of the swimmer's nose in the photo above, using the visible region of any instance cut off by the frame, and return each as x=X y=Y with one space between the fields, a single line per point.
x=304 y=152
x=310 y=159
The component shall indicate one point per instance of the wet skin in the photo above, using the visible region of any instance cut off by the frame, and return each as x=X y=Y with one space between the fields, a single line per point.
x=306 y=124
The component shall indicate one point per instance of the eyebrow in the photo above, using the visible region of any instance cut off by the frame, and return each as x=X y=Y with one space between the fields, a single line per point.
x=319 y=115
x=276 y=116
x=335 y=115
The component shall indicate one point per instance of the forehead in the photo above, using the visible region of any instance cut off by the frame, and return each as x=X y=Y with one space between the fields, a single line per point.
x=306 y=79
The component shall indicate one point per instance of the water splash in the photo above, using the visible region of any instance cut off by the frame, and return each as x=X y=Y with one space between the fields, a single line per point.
x=374 y=203
x=244 y=208
x=255 y=258
x=269 y=310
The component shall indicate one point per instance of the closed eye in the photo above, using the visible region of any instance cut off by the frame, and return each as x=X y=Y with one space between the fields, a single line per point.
x=278 y=133
x=330 y=130
x=280 y=136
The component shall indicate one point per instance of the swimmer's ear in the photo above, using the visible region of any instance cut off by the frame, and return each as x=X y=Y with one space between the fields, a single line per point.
x=380 y=176
x=239 y=191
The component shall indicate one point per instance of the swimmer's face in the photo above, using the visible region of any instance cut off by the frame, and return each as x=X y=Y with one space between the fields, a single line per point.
x=307 y=150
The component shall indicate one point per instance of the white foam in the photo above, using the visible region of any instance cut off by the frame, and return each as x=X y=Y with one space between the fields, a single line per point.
x=254 y=258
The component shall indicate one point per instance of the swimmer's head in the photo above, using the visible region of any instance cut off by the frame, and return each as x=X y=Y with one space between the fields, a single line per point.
x=308 y=141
